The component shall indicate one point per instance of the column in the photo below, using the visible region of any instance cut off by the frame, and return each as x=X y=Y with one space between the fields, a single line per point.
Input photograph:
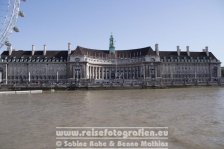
x=103 y=72
x=6 y=74
x=94 y=72
x=106 y=72
x=98 y=72
x=96 y=75
x=89 y=72
x=109 y=73
x=156 y=72
x=100 y=75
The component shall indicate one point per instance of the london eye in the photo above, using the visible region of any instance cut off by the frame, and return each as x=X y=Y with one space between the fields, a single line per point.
x=9 y=13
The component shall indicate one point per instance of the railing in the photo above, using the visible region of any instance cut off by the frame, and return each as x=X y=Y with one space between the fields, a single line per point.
x=149 y=82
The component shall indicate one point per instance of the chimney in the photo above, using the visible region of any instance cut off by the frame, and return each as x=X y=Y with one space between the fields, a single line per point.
x=188 y=50
x=33 y=50
x=69 y=48
x=45 y=50
x=157 y=49
x=206 y=50
x=10 y=50
x=178 y=50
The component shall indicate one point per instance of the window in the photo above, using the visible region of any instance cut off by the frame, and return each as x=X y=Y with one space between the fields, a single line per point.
x=153 y=59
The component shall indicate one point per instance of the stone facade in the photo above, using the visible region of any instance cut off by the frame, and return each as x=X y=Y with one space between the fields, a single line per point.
x=25 y=66
x=102 y=66
x=146 y=64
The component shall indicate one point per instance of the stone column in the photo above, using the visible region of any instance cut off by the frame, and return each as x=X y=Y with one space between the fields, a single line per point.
x=91 y=72
x=87 y=71
x=6 y=74
x=110 y=72
x=103 y=73
x=100 y=73
x=98 y=76
x=106 y=72
x=94 y=72
x=155 y=72
x=97 y=68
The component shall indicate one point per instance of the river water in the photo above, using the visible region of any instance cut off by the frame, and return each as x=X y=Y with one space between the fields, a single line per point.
x=194 y=116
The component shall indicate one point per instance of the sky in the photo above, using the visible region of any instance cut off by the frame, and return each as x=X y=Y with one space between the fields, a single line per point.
x=133 y=23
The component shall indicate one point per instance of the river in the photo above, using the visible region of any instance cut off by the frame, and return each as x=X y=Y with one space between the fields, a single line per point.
x=194 y=116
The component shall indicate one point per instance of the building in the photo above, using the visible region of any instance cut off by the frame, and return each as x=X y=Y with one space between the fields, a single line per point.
x=92 y=66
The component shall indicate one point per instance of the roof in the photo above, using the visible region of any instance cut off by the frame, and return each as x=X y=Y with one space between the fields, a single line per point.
x=173 y=54
x=140 y=52
x=37 y=54
x=120 y=53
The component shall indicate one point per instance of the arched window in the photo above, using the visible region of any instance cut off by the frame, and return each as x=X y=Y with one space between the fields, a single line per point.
x=214 y=72
x=153 y=59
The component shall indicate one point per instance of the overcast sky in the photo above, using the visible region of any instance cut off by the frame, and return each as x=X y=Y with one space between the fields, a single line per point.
x=134 y=24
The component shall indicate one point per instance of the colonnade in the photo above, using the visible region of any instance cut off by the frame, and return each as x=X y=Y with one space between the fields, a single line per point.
x=121 y=72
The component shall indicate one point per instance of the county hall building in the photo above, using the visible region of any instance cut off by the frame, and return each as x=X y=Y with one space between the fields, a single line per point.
x=93 y=66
